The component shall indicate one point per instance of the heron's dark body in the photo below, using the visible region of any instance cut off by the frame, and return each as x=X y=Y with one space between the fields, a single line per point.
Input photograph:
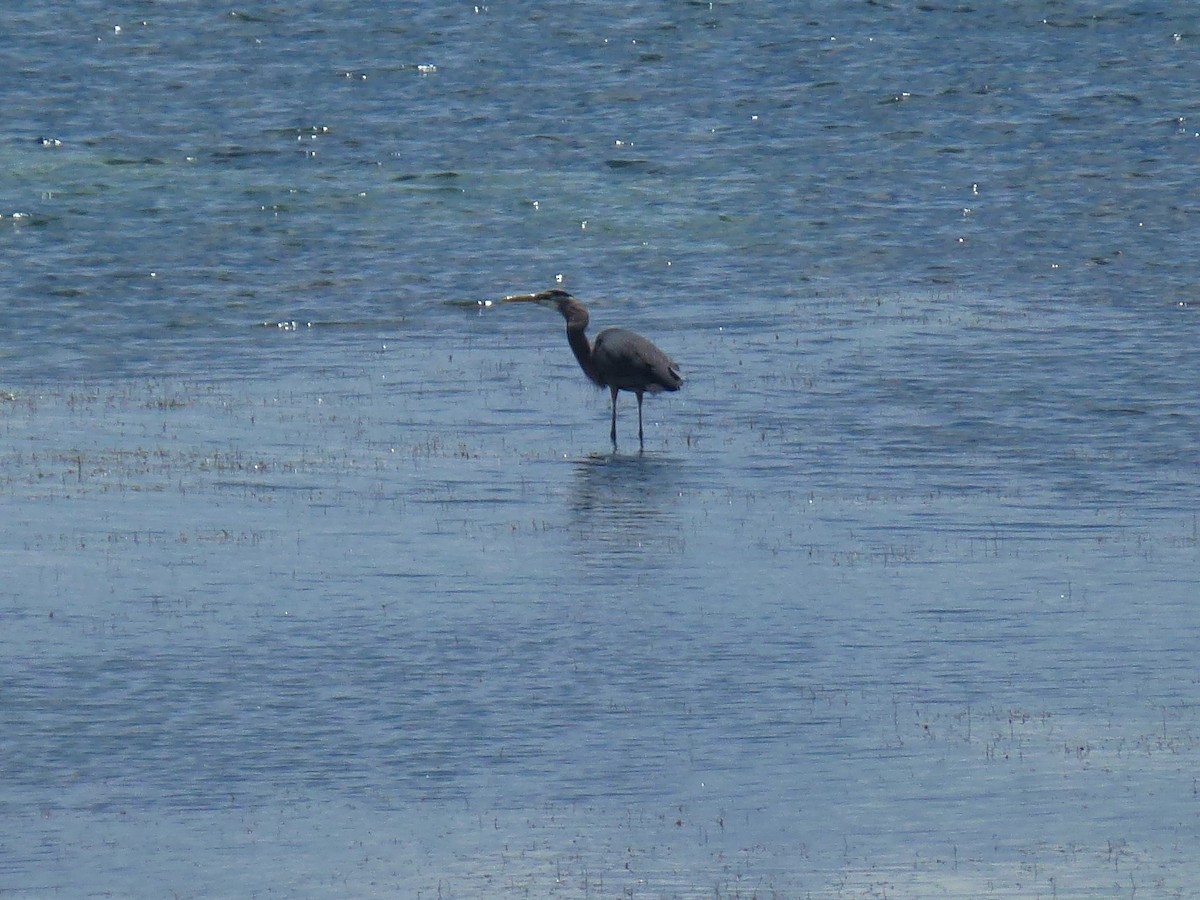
x=619 y=359
x=629 y=362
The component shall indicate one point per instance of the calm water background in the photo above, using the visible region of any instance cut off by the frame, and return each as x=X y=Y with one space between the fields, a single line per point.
x=900 y=600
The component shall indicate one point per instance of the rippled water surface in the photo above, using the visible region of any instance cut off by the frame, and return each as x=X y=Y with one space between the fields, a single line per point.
x=321 y=578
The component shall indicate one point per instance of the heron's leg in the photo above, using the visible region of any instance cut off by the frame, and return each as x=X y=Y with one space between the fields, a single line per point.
x=641 y=440
x=613 y=432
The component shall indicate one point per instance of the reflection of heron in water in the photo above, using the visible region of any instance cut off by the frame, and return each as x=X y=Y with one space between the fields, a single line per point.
x=627 y=507
x=619 y=359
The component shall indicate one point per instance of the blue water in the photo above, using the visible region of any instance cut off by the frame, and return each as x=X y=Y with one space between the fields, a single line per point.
x=321 y=578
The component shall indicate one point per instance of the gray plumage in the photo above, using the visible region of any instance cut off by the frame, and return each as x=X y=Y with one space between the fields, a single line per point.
x=619 y=360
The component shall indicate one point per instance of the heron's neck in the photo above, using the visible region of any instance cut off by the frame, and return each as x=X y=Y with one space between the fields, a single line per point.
x=582 y=348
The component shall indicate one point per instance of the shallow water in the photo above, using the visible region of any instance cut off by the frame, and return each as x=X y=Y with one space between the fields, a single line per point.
x=322 y=579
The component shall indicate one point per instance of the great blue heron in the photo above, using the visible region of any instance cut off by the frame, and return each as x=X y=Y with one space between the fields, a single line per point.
x=619 y=359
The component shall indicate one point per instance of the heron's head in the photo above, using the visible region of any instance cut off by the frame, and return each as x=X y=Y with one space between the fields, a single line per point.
x=552 y=298
x=556 y=298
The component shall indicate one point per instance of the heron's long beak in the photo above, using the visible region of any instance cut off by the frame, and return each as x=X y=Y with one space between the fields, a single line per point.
x=522 y=298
